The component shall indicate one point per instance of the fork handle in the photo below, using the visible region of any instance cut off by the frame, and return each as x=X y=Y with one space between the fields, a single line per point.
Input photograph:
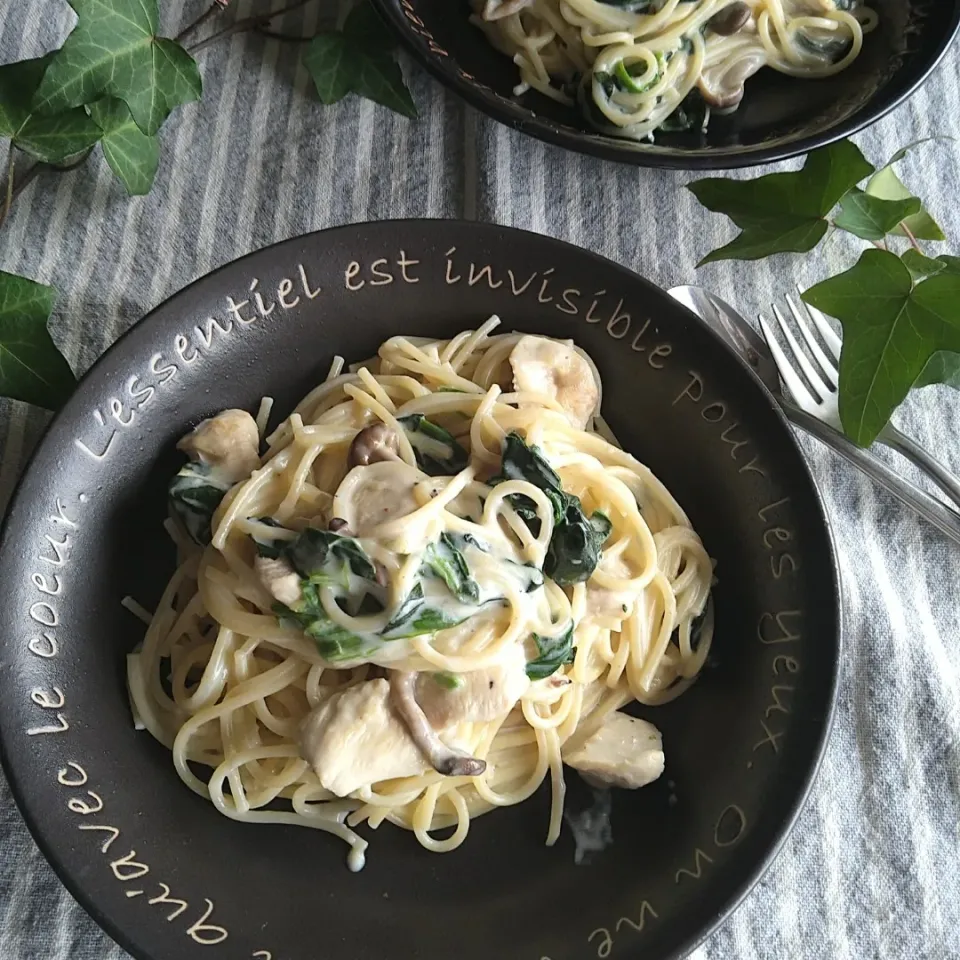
x=947 y=521
x=936 y=471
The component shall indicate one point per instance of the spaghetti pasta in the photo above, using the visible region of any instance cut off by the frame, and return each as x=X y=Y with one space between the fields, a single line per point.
x=437 y=586
x=638 y=66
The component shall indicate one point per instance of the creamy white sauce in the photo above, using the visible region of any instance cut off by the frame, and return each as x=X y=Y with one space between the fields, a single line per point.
x=591 y=828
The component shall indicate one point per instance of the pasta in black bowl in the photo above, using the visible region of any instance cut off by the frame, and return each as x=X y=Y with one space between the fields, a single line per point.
x=539 y=616
x=681 y=83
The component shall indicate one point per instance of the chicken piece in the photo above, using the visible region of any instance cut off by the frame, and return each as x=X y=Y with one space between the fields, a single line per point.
x=624 y=752
x=355 y=738
x=280 y=579
x=229 y=443
x=481 y=696
x=721 y=83
x=555 y=369
x=372 y=495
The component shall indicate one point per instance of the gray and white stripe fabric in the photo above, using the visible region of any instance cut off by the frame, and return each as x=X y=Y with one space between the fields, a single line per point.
x=871 y=871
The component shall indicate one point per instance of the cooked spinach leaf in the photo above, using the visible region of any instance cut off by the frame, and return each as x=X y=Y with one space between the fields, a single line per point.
x=333 y=642
x=522 y=462
x=415 y=616
x=690 y=114
x=447 y=680
x=445 y=561
x=438 y=453
x=552 y=654
x=195 y=493
x=575 y=546
x=696 y=631
x=576 y=542
x=321 y=556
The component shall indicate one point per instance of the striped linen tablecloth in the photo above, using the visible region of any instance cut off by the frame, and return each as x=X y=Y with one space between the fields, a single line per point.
x=872 y=869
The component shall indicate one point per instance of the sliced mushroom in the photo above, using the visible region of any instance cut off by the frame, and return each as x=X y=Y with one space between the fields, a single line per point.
x=376 y=494
x=482 y=695
x=280 y=579
x=557 y=370
x=228 y=442
x=443 y=759
x=354 y=738
x=730 y=19
x=721 y=84
x=625 y=752
x=373 y=444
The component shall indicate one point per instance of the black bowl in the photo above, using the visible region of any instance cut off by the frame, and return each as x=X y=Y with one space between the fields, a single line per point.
x=167 y=875
x=780 y=117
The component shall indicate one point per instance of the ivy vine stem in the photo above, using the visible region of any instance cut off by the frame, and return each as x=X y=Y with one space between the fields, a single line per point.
x=218 y=6
x=257 y=22
x=911 y=238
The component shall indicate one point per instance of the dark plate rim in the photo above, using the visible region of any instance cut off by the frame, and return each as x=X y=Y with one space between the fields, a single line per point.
x=527 y=121
x=759 y=870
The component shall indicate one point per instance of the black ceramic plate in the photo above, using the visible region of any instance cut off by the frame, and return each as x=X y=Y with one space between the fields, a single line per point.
x=169 y=877
x=780 y=117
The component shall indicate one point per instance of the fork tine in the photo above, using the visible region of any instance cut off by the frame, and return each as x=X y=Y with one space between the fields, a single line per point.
x=828 y=366
x=833 y=342
x=800 y=358
x=794 y=383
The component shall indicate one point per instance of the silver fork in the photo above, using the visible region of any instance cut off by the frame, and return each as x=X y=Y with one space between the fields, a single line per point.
x=821 y=401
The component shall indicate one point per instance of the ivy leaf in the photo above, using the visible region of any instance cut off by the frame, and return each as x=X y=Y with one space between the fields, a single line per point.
x=921 y=266
x=50 y=139
x=114 y=51
x=359 y=59
x=133 y=156
x=31 y=367
x=886 y=185
x=872 y=218
x=783 y=212
x=951 y=264
x=892 y=327
x=942 y=367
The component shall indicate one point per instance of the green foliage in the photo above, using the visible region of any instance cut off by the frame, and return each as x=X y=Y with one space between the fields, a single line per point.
x=359 y=59
x=892 y=328
x=51 y=139
x=872 y=218
x=132 y=154
x=783 y=212
x=115 y=51
x=886 y=185
x=114 y=81
x=31 y=367
x=900 y=313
